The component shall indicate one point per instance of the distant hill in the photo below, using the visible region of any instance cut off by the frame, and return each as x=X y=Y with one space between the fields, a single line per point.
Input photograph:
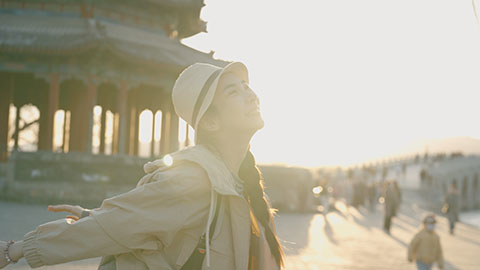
x=466 y=145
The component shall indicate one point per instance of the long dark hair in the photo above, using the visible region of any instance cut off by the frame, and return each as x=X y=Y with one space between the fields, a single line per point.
x=253 y=185
x=250 y=173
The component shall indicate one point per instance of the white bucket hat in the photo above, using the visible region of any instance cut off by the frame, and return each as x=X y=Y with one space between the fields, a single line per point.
x=195 y=88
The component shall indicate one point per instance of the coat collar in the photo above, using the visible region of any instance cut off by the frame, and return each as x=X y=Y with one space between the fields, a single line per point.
x=221 y=178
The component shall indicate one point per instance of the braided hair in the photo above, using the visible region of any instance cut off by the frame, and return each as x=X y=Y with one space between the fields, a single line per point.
x=252 y=177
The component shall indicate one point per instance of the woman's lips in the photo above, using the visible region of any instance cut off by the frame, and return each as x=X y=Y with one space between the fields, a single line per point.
x=254 y=111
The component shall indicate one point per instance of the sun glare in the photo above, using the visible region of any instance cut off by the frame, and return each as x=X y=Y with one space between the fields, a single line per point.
x=342 y=83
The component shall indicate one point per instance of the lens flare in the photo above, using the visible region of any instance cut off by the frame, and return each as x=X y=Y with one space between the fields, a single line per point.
x=381 y=200
x=317 y=190
x=168 y=160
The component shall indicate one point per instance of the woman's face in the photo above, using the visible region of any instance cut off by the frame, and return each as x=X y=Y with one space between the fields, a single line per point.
x=237 y=105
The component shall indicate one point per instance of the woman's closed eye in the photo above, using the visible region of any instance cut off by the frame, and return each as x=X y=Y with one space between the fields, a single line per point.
x=237 y=89
x=232 y=92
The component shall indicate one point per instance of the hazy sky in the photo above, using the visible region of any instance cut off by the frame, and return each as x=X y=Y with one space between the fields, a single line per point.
x=344 y=81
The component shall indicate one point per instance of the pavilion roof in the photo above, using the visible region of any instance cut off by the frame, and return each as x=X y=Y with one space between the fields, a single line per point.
x=37 y=33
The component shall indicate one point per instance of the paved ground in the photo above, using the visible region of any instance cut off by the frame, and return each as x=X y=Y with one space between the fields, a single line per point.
x=344 y=239
x=354 y=239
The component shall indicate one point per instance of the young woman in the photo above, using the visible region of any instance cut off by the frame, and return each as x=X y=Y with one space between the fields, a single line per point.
x=205 y=210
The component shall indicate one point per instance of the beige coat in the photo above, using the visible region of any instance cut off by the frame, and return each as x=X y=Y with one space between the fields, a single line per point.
x=157 y=225
x=425 y=247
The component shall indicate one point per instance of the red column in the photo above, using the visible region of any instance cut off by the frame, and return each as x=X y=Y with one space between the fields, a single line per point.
x=77 y=126
x=122 y=118
x=152 y=144
x=103 y=129
x=82 y=117
x=115 y=134
x=137 y=130
x=16 y=135
x=129 y=132
x=47 y=124
x=66 y=124
x=186 y=135
x=6 y=94
x=131 y=122
x=164 y=137
x=173 y=131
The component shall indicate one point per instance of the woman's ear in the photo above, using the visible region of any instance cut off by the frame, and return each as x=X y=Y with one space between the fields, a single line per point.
x=209 y=123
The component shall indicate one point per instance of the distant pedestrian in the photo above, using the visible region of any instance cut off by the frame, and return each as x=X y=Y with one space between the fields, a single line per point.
x=450 y=206
x=372 y=196
x=390 y=202
x=398 y=200
x=349 y=192
x=425 y=248
x=359 y=193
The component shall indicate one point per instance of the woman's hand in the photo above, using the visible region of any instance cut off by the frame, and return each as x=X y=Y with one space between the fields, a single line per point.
x=15 y=252
x=76 y=210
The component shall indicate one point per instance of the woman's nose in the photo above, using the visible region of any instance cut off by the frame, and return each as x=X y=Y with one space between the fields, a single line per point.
x=251 y=96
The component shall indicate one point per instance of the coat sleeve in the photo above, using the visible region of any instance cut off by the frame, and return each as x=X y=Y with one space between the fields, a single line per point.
x=147 y=217
x=412 y=247
x=439 y=255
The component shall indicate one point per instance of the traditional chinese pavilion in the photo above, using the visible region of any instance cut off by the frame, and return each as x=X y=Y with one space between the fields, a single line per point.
x=73 y=56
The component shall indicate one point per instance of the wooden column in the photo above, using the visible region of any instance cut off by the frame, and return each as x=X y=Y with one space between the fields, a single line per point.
x=65 y=127
x=165 y=132
x=103 y=129
x=16 y=135
x=173 y=137
x=159 y=142
x=187 y=142
x=77 y=126
x=82 y=117
x=115 y=134
x=123 y=118
x=6 y=94
x=137 y=130
x=45 y=141
x=152 y=143
x=131 y=129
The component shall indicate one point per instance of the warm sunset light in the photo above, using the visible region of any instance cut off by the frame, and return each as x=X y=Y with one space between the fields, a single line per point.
x=333 y=134
x=344 y=82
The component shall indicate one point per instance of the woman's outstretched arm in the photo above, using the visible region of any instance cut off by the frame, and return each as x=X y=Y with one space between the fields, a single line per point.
x=146 y=217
